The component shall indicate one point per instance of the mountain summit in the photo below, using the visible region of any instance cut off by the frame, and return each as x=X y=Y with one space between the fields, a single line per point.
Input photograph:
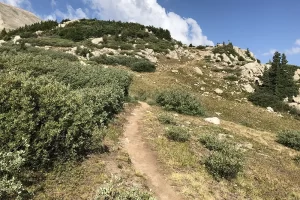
x=12 y=17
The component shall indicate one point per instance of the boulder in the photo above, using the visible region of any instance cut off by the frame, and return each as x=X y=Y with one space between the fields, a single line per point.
x=174 y=71
x=97 y=40
x=213 y=120
x=173 y=55
x=297 y=75
x=16 y=39
x=219 y=91
x=297 y=99
x=226 y=58
x=248 y=88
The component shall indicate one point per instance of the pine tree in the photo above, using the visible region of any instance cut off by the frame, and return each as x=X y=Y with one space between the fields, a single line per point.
x=273 y=72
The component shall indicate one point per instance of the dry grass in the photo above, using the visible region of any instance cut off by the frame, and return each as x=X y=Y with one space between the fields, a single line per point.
x=269 y=172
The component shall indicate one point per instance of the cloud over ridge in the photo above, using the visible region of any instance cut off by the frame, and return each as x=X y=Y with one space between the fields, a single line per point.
x=149 y=12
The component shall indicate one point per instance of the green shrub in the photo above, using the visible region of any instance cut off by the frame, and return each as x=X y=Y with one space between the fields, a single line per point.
x=49 y=41
x=179 y=101
x=224 y=164
x=53 y=54
x=135 y=64
x=213 y=143
x=82 y=51
x=231 y=78
x=55 y=122
x=225 y=160
x=117 y=189
x=166 y=119
x=241 y=58
x=290 y=139
x=177 y=134
x=200 y=47
x=143 y=66
x=258 y=61
x=227 y=49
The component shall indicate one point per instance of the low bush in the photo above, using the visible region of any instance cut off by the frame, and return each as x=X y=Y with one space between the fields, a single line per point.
x=200 y=47
x=213 y=143
x=290 y=139
x=241 y=58
x=166 y=119
x=143 y=66
x=49 y=41
x=231 y=78
x=224 y=164
x=116 y=189
x=82 y=51
x=225 y=160
x=179 y=101
x=135 y=64
x=177 y=134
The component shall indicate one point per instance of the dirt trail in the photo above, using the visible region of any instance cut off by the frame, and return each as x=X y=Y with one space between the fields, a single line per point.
x=144 y=159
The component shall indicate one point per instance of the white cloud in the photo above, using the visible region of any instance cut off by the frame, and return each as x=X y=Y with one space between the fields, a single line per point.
x=18 y=3
x=293 y=51
x=53 y=3
x=71 y=13
x=149 y=12
x=297 y=42
x=270 y=52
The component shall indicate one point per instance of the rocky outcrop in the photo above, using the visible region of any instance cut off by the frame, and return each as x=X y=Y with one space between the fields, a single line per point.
x=252 y=70
x=12 y=17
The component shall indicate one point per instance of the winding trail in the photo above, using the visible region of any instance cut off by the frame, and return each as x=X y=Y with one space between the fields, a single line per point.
x=144 y=159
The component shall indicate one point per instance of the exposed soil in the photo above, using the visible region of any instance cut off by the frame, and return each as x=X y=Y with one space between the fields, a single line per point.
x=144 y=159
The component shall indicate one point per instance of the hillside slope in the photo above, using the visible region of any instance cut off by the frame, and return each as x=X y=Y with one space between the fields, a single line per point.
x=85 y=117
x=12 y=17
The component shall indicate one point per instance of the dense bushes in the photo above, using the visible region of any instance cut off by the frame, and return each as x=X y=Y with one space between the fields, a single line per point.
x=177 y=134
x=49 y=109
x=30 y=29
x=85 y=29
x=135 y=64
x=225 y=160
x=179 y=101
x=227 y=49
x=290 y=139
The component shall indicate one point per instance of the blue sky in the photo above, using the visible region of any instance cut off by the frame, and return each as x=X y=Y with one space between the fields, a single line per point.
x=263 y=26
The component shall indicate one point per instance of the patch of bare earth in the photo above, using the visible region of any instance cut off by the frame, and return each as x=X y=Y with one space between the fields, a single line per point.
x=144 y=159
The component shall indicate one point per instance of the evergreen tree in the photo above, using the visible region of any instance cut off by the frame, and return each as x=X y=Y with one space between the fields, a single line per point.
x=3 y=33
x=278 y=83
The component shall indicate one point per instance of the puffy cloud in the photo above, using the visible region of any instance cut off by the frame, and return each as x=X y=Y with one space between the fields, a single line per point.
x=293 y=51
x=297 y=42
x=70 y=13
x=18 y=3
x=270 y=52
x=149 y=12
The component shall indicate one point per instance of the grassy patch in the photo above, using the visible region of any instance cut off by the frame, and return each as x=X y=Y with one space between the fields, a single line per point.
x=166 y=119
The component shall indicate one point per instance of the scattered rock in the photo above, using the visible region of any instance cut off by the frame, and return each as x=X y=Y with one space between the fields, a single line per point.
x=297 y=99
x=97 y=40
x=297 y=75
x=198 y=70
x=269 y=109
x=213 y=120
x=172 y=55
x=16 y=39
x=219 y=91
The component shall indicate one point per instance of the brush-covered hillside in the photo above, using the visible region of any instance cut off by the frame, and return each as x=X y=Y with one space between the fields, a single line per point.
x=94 y=109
